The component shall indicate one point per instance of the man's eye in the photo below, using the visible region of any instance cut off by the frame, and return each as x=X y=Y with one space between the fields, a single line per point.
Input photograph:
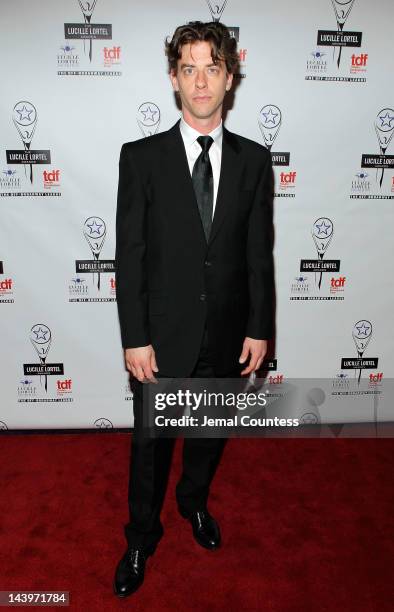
x=213 y=70
x=188 y=71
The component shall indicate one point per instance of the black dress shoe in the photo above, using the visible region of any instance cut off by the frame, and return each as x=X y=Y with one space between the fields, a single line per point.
x=205 y=529
x=130 y=572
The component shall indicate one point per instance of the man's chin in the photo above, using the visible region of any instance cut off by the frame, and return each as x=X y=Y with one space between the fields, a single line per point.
x=203 y=113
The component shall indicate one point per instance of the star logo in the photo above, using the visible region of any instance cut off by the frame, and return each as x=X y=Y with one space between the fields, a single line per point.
x=386 y=120
x=148 y=118
x=94 y=227
x=363 y=329
x=24 y=114
x=149 y=114
x=323 y=228
x=41 y=334
x=270 y=117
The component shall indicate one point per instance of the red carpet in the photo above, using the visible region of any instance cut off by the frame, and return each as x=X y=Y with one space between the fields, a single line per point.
x=307 y=525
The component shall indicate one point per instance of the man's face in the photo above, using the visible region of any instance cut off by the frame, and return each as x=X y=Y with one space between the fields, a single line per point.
x=201 y=83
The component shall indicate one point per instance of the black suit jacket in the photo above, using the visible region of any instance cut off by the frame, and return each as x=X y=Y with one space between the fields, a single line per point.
x=169 y=281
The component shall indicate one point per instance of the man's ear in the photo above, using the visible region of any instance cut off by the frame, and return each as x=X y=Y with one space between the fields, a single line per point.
x=174 y=80
x=229 y=81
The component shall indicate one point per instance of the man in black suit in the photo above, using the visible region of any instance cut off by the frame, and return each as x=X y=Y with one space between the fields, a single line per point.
x=194 y=276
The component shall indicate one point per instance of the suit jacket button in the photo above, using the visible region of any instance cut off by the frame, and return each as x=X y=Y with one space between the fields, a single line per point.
x=207 y=263
x=203 y=297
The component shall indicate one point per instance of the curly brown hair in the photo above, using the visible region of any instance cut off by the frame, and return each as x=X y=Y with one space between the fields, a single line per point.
x=223 y=46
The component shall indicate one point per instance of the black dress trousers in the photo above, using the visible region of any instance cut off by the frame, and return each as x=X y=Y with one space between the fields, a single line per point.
x=150 y=461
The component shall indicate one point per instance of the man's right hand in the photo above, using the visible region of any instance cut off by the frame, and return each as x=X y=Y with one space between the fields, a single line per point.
x=141 y=362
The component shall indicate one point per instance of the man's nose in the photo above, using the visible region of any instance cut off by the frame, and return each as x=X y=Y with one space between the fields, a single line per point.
x=201 y=79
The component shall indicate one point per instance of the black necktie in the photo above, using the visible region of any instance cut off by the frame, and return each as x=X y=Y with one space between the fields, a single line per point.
x=203 y=183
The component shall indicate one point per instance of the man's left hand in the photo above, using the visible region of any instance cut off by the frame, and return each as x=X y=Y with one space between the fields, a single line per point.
x=257 y=350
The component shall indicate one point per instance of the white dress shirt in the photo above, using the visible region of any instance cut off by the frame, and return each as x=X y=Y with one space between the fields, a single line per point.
x=193 y=150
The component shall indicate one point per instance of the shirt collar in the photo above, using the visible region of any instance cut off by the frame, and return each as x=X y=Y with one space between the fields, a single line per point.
x=190 y=135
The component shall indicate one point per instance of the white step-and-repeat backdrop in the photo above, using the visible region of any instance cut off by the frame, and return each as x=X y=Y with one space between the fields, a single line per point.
x=80 y=78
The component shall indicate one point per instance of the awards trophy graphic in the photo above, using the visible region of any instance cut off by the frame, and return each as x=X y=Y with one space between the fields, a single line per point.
x=322 y=232
x=362 y=332
x=270 y=120
x=148 y=118
x=24 y=116
x=41 y=338
x=342 y=9
x=216 y=9
x=384 y=127
x=87 y=9
x=94 y=230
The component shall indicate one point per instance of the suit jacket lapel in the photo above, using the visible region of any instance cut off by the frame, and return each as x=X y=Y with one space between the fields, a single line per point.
x=178 y=168
x=230 y=172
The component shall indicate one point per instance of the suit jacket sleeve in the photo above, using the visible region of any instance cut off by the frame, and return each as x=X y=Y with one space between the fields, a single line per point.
x=260 y=259
x=130 y=254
